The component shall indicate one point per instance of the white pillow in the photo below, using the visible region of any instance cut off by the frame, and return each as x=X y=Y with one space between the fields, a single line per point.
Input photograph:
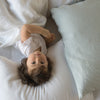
x=59 y=87
x=58 y=3
x=79 y=26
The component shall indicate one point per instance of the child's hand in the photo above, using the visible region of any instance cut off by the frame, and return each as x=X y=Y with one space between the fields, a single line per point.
x=53 y=37
x=46 y=33
x=50 y=39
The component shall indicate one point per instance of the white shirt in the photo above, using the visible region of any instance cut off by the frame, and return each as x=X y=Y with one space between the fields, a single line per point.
x=31 y=44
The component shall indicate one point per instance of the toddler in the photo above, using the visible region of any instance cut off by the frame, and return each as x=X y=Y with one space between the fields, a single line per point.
x=36 y=68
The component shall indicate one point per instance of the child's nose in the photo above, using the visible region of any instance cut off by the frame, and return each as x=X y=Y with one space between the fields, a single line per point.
x=37 y=59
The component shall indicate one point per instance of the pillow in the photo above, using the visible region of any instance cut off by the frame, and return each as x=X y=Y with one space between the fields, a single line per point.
x=59 y=87
x=58 y=3
x=79 y=26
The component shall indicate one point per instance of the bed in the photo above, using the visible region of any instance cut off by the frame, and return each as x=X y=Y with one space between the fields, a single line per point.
x=60 y=87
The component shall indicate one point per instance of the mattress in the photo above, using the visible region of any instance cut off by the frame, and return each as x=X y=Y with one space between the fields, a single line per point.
x=15 y=55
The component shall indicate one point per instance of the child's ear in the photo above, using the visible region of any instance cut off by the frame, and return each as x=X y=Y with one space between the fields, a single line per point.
x=23 y=61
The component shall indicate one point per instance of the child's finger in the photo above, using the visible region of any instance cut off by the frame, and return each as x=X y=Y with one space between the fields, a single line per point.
x=53 y=36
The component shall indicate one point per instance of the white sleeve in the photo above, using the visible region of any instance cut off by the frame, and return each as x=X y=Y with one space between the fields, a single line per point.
x=24 y=47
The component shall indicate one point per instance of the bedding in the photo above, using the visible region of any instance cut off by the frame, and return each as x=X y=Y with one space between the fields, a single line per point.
x=59 y=87
x=79 y=27
x=13 y=14
x=58 y=3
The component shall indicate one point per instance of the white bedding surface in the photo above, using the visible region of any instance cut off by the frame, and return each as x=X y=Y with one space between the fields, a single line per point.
x=59 y=87
x=28 y=11
x=15 y=55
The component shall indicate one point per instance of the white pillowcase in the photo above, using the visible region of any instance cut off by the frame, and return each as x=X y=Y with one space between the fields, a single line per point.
x=59 y=87
x=79 y=26
x=58 y=3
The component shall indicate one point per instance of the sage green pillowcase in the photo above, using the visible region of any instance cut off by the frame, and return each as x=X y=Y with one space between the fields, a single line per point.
x=79 y=25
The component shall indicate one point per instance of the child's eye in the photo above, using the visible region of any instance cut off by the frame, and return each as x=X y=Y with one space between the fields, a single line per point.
x=42 y=62
x=33 y=62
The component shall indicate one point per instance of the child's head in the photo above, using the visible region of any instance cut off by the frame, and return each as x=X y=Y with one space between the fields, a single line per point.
x=36 y=69
x=37 y=60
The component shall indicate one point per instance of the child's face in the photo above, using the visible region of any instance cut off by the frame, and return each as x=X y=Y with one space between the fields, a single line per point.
x=36 y=60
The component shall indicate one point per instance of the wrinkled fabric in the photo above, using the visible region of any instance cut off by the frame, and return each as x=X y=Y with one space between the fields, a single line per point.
x=59 y=87
x=13 y=14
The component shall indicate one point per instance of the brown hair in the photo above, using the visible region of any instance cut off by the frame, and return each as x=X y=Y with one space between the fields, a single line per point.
x=37 y=77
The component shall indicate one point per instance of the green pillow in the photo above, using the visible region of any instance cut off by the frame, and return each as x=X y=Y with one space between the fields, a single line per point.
x=79 y=25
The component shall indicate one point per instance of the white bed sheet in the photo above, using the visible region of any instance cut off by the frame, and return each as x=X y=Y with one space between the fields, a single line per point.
x=15 y=55
x=60 y=87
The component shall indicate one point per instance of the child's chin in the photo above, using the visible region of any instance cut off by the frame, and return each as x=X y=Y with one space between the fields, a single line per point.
x=37 y=52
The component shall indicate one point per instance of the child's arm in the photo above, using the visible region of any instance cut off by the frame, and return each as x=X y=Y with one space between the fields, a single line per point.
x=28 y=29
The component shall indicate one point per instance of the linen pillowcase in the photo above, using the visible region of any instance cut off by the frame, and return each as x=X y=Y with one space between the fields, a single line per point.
x=79 y=26
x=59 y=87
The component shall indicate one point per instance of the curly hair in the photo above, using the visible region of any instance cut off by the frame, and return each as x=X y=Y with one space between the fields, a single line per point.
x=37 y=77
